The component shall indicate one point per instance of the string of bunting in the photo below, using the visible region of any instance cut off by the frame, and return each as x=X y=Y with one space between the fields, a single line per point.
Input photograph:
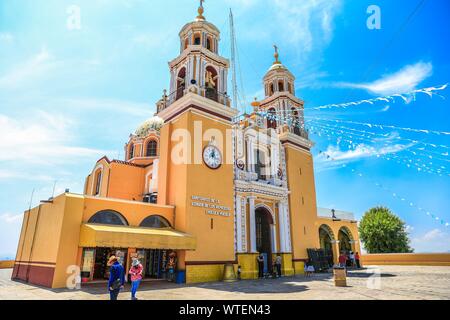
x=396 y=196
x=406 y=97
x=383 y=127
x=410 y=148
x=388 y=135
x=384 y=154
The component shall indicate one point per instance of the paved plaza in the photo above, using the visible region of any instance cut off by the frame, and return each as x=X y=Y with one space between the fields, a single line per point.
x=383 y=283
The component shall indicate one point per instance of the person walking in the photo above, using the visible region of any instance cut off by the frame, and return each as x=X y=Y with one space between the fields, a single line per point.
x=342 y=260
x=171 y=266
x=278 y=262
x=116 y=277
x=358 y=260
x=136 y=277
x=260 y=260
x=352 y=259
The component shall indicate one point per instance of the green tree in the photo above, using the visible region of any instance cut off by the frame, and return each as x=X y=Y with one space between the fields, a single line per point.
x=381 y=231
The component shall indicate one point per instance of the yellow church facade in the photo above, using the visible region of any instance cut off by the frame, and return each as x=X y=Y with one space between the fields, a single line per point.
x=198 y=179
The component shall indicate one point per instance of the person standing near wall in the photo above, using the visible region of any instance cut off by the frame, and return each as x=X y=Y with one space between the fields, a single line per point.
x=116 y=277
x=136 y=277
x=260 y=260
x=358 y=260
x=278 y=262
x=171 y=266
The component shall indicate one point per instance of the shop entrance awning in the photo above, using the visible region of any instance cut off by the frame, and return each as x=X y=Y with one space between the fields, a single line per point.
x=95 y=235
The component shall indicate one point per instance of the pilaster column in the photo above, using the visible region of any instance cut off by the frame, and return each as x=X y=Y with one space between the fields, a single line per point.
x=282 y=227
x=252 y=224
x=288 y=227
x=238 y=233
x=336 y=252
x=274 y=238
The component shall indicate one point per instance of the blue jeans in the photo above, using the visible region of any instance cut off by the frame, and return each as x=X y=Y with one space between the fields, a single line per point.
x=134 y=287
x=114 y=294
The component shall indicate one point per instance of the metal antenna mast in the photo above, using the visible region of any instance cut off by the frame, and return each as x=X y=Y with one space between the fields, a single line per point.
x=233 y=61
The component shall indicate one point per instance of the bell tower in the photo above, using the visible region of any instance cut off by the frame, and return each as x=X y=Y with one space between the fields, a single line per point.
x=196 y=167
x=285 y=115
x=280 y=101
x=199 y=68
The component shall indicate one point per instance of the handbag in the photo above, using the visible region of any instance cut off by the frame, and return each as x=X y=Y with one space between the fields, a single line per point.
x=116 y=284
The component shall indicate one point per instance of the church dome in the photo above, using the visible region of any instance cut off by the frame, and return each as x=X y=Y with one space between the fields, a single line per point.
x=277 y=66
x=152 y=124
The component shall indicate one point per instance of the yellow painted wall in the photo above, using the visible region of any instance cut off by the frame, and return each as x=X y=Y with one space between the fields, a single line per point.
x=43 y=226
x=413 y=259
x=204 y=273
x=303 y=214
x=69 y=239
x=6 y=264
x=249 y=265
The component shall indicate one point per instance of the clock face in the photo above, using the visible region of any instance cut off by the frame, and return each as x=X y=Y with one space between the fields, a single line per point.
x=212 y=157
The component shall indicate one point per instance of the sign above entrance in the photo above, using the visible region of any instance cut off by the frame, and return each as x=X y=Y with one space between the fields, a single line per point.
x=211 y=205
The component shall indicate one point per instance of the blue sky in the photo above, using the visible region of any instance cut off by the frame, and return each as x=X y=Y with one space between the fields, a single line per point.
x=69 y=96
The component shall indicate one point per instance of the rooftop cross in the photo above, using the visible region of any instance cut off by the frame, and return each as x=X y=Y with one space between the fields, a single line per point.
x=200 y=11
x=276 y=55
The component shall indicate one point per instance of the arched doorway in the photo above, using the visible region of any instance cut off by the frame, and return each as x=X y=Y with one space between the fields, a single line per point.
x=345 y=238
x=264 y=222
x=326 y=238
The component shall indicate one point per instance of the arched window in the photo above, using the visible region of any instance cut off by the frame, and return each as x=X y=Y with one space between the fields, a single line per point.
x=197 y=40
x=296 y=121
x=209 y=44
x=271 y=89
x=131 y=151
x=98 y=181
x=181 y=83
x=290 y=88
x=280 y=86
x=108 y=217
x=155 y=222
x=152 y=149
x=271 y=119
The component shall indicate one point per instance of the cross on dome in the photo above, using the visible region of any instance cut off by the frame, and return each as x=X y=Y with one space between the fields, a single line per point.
x=201 y=10
x=276 y=55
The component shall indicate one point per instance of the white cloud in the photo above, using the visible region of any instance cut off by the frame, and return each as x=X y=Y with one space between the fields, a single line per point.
x=405 y=80
x=43 y=139
x=6 y=37
x=334 y=157
x=433 y=241
x=304 y=23
x=28 y=70
x=11 y=218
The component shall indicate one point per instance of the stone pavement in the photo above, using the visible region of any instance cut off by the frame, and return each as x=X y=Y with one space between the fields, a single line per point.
x=388 y=282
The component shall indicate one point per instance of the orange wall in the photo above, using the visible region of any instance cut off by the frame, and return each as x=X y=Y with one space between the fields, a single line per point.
x=126 y=182
x=215 y=244
x=179 y=182
x=302 y=213
x=413 y=259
